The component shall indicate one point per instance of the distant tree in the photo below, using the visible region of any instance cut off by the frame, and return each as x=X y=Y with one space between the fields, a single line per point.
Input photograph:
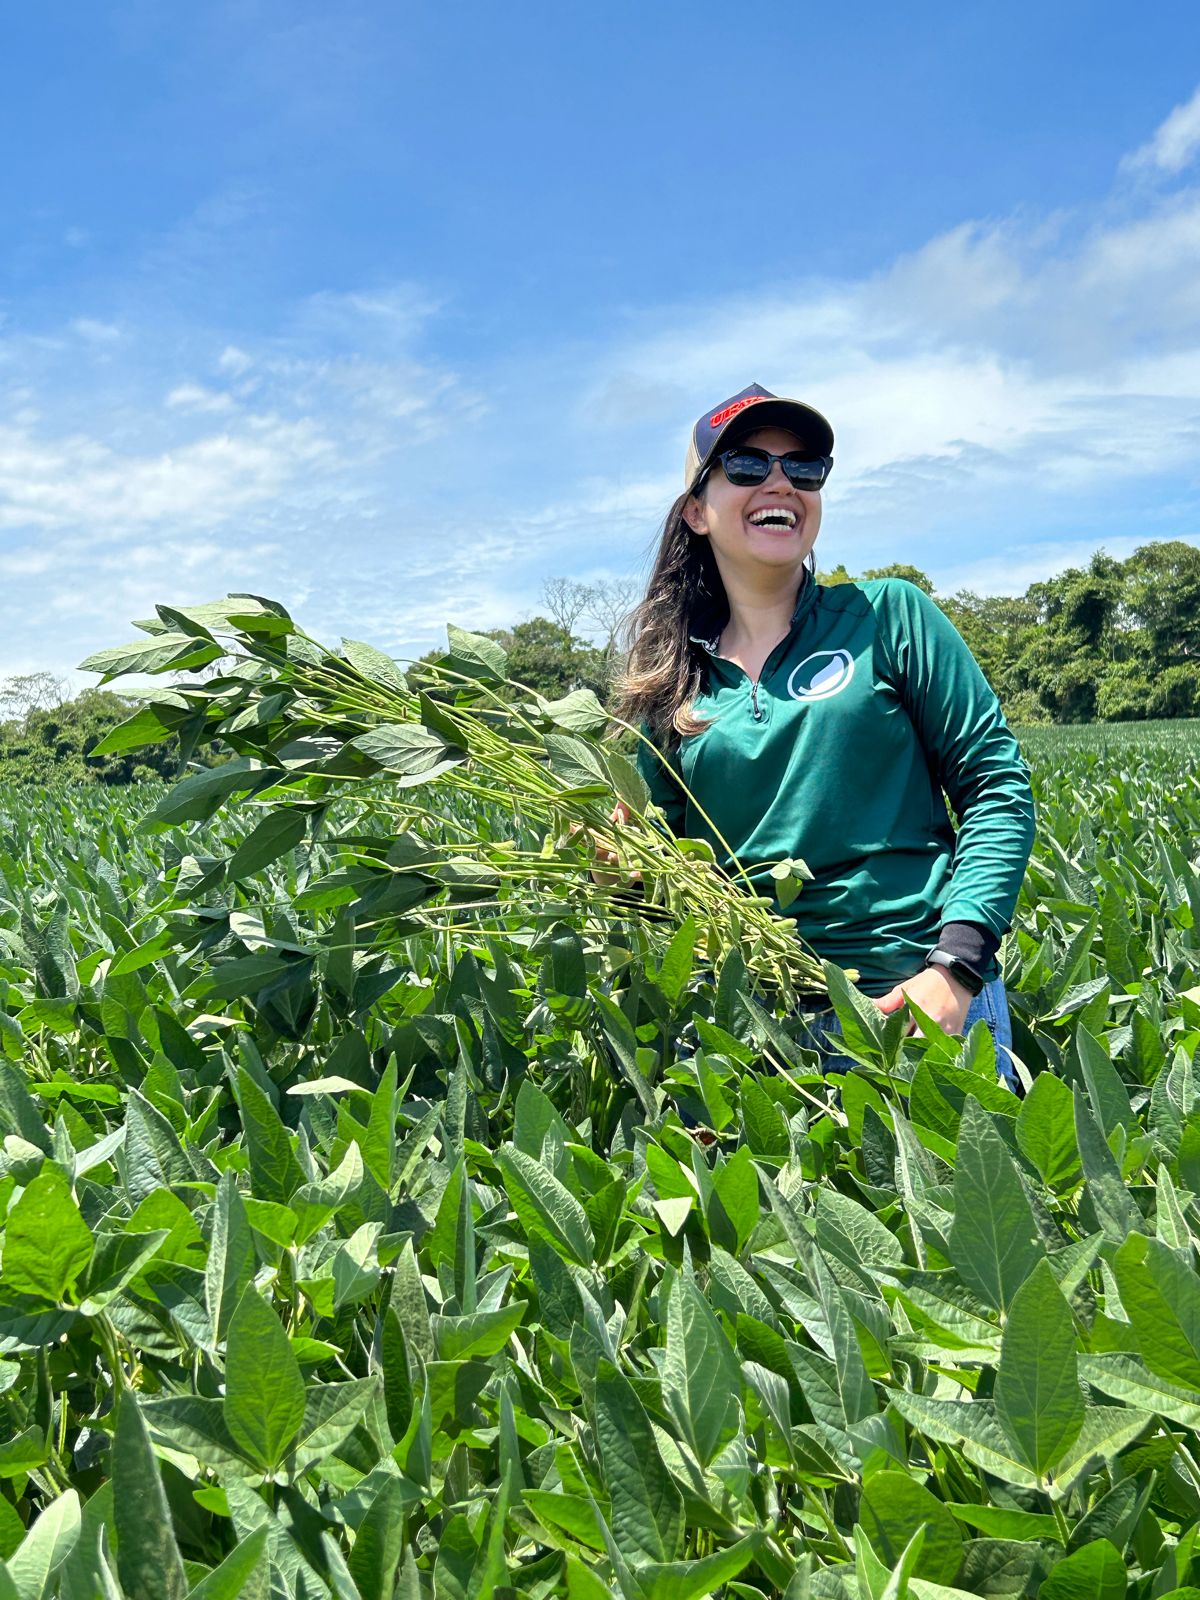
x=566 y=600
x=835 y=576
x=55 y=744
x=901 y=569
x=1162 y=592
x=24 y=692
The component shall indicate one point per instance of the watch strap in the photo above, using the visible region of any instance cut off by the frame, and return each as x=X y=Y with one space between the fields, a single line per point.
x=971 y=980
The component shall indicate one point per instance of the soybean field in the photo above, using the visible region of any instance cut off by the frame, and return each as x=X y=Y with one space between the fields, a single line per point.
x=390 y=1211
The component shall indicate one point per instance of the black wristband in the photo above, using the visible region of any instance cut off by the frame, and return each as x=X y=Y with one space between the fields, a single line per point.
x=970 y=942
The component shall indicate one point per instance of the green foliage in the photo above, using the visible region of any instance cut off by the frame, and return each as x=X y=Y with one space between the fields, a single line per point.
x=350 y=1255
x=55 y=744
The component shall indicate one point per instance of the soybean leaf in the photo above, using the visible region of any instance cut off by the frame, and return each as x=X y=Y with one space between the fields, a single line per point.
x=245 y=1565
x=1038 y=1399
x=1046 y=1132
x=231 y=1258
x=1095 y=1572
x=647 y=1508
x=273 y=1165
x=276 y=834
x=379 y=1543
x=994 y=1241
x=692 y=1580
x=45 y=1547
x=264 y=1392
x=1161 y=1297
x=47 y=1244
x=545 y=1207
x=893 y=1508
x=1105 y=1195
x=148 y=1560
x=701 y=1380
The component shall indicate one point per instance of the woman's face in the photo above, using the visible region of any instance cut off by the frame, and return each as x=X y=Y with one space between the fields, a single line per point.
x=728 y=516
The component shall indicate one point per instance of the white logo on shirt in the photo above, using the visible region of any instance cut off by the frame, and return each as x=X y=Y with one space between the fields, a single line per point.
x=825 y=673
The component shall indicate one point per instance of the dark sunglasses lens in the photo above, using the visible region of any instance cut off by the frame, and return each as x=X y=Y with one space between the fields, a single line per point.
x=744 y=467
x=804 y=474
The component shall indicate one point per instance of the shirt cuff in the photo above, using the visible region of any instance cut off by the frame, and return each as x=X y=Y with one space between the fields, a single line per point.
x=969 y=942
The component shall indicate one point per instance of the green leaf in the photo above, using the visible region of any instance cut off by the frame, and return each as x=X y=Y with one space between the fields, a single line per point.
x=545 y=1207
x=1125 y=1378
x=264 y=1391
x=377 y=668
x=196 y=1425
x=479 y=1333
x=148 y=1560
x=23 y=1452
x=274 y=1169
x=475 y=655
x=701 y=1380
x=1161 y=1296
x=246 y=1564
x=1104 y=1192
x=159 y=653
x=45 y=1547
x=379 y=1543
x=332 y=1411
x=861 y=1019
x=994 y=1241
x=397 y=1378
x=647 y=1508
x=1046 y=1132
x=692 y=1580
x=1038 y=1399
x=893 y=1508
x=409 y=752
x=276 y=834
x=733 y=1209
x=999 y=1522
x=198 y=797
x=1095 y=1572
x=47 y=1244
x=231 y=1258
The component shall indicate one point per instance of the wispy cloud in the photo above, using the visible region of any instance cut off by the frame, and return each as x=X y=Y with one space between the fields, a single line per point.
x=1175 y=143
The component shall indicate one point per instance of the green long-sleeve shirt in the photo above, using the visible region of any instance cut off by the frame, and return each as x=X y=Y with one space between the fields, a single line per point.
x=865 y=718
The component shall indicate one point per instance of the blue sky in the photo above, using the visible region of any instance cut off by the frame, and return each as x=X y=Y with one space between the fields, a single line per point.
x=393 y=311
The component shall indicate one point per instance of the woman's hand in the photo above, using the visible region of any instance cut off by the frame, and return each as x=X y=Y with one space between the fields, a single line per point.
x=607 y=857
x=938 y=994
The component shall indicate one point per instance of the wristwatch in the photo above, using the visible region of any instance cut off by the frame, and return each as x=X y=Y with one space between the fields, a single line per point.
x=958 y=970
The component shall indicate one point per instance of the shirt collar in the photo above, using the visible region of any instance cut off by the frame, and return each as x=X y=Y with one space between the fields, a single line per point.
x=708 y=635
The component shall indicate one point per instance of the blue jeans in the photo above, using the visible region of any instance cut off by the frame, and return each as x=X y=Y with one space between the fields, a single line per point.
x=989 y=1006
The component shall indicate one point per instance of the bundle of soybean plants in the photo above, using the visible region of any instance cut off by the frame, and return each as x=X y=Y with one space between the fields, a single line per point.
x=424 y=1224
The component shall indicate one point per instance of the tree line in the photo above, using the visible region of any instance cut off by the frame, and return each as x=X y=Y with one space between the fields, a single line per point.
x=1115 y=641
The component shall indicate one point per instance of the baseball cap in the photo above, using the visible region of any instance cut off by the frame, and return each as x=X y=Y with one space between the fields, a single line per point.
x=770 y=410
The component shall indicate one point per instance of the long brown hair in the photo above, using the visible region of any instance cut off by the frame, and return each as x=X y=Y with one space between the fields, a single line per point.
x=664 y=671
x=663 y=668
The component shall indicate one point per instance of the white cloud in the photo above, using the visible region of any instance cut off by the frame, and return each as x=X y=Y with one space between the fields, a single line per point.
x=1175 y=143
x=94 y=331
x=79 y=482
x=195 y=397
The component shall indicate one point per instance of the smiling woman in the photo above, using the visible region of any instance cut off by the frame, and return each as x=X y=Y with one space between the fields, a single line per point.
x=831 y=725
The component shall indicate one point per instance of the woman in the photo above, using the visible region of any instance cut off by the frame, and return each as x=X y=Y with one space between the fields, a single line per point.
x=825 y=724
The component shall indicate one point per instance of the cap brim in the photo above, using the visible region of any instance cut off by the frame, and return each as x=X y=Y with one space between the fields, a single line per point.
x=806 y=423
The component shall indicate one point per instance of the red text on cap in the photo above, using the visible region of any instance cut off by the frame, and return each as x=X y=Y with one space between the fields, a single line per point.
x=732 y=411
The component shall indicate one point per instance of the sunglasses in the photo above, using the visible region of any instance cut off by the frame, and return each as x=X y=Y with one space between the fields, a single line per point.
x=745 y=465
